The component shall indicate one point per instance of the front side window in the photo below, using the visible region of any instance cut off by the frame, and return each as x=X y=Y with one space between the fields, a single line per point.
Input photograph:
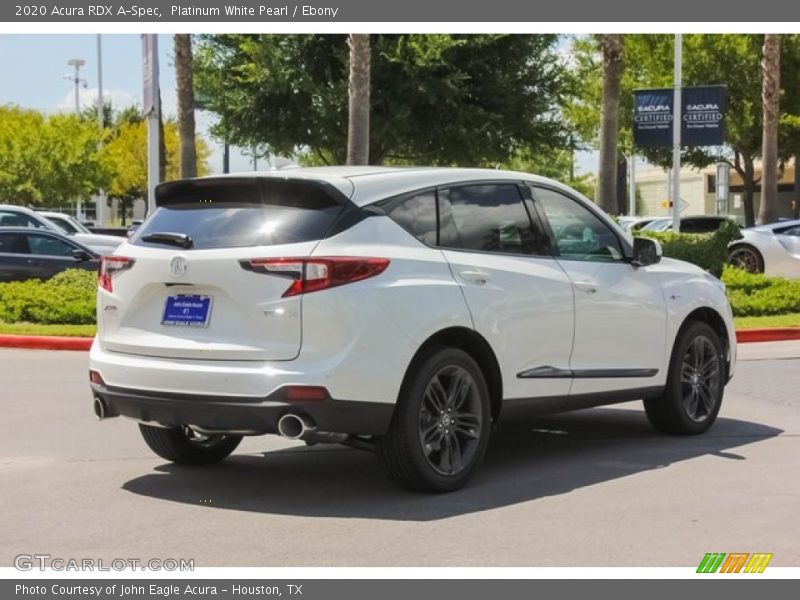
x=44 y=245
x=487 y=218
x=579 y=234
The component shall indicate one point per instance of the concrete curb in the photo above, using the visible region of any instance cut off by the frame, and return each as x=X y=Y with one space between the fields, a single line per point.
x=771 y=334
x=45 y=342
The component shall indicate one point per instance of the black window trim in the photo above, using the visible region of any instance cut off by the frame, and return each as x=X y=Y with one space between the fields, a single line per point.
x=386 y=205
x=627 y=249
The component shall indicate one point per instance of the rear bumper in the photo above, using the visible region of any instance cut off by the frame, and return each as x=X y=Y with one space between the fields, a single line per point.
x=254 y=415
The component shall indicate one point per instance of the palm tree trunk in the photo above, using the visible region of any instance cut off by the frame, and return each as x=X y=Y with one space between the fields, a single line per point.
x=359 y=91
x=770 y=96
x=186 y=125
x=612 y=47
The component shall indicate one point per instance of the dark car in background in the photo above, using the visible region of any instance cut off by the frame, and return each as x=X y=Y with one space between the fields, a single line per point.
x=692 y=224
x=27 y=253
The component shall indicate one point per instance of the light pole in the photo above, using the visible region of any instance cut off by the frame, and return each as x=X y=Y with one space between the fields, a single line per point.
x=677 y=122
x=100 y=107
x=76 y=63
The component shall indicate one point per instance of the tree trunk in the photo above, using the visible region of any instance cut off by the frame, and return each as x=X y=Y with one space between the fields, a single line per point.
x=770 y=96
x=359 y=90
x=186 y=125
x=622 y=185
x=612 y=47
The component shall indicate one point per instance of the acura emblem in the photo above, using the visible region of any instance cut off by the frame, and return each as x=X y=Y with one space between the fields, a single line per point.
x=177 y=266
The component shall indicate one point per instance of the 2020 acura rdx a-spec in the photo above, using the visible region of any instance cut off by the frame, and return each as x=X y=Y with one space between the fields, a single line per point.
x=398 y=310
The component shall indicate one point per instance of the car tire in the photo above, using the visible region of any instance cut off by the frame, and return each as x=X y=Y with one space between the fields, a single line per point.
x=695 y=384
x=440 y=428
x=746 y=257
x=184 y=446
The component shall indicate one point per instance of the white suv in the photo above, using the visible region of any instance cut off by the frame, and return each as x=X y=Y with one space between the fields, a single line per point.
x=395 y=309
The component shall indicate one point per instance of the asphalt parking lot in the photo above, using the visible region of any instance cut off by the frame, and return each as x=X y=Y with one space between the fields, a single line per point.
x=593 y=488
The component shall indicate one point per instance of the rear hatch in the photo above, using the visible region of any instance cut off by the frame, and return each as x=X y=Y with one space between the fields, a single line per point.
x=190 y=289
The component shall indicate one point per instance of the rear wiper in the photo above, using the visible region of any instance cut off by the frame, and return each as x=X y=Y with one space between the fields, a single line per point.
x=167 y=237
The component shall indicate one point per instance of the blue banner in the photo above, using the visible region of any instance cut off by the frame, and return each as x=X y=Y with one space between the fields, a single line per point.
x=702 y=118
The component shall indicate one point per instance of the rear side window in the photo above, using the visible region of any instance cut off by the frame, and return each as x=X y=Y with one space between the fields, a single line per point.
x=239 y=212
x=13 y=243
x=488 y=218
x=417 y=215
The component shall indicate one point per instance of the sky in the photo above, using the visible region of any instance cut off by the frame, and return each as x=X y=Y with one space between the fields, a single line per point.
x=36 y=65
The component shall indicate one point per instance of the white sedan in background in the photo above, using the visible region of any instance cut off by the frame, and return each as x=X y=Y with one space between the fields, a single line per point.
x=772 y=249
x=20 y=216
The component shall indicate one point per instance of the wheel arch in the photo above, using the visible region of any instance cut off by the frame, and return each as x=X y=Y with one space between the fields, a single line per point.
x=474 y=344
x=708 y=315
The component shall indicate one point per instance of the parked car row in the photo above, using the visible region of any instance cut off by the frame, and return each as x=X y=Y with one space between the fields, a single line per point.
x=771 y=249
x=38 y=245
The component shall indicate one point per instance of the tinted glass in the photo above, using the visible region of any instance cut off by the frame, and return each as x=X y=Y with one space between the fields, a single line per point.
x=13 y=243
x=229 y=213
x=45 y=245
x=15 y=219
x=488 y=218
x=700 y=225
x=64 y=224
x=578 y=232
x=417 y=215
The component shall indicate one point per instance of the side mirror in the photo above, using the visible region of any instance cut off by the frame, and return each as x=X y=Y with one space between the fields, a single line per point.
x=81 y=255
x=645 y=252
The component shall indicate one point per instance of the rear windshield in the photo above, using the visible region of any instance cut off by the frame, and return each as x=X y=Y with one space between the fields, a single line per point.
x=230 y=213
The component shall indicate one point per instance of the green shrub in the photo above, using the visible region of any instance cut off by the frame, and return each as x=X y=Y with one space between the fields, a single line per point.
x=753 y=295
x=708 y=251
x=67 y=298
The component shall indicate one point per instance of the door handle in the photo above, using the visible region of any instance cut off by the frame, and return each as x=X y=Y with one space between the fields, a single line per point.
x=33 y=261
x=479 y=277
x=585 y=286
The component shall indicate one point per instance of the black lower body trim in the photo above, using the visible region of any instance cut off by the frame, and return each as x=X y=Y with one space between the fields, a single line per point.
x=555 y=373
x=559 y=404
x=256 y=415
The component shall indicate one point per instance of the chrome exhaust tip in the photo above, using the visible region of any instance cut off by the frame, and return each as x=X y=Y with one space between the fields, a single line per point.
x=100 y=410
x=295 y=427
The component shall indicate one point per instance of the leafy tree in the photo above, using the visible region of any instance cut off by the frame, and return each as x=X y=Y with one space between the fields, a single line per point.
x=126 y=156
x=48 y=160
x=732 y=60
x=436 y=99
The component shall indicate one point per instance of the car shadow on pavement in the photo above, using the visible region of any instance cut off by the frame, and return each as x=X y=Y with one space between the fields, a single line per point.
x=528 y=458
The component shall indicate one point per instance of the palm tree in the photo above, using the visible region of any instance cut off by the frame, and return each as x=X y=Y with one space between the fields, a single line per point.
x=186 y=125
x=770 y=96
x=359 y=89
x=612 y=47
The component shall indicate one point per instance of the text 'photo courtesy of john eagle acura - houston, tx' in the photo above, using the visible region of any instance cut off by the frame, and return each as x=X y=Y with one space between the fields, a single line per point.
x=397 y=310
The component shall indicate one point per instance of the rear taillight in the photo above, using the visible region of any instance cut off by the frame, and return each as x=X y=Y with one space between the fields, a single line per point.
x=314 y=274
x=110 y=266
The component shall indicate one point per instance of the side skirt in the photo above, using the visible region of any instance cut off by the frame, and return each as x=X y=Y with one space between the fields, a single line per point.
x=558 y=404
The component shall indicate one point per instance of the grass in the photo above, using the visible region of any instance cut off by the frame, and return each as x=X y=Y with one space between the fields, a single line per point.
x=41 y=329
x=790 y=320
